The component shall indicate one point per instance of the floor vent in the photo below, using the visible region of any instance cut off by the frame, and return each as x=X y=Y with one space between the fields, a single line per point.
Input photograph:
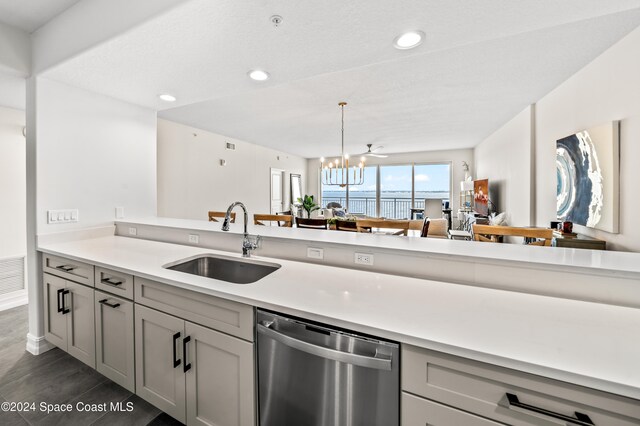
x=11 y=274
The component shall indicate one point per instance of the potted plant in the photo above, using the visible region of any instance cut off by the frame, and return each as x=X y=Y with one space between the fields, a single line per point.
x=308 y=204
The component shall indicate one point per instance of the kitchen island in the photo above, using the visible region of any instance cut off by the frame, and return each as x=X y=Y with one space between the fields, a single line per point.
x=589 y=344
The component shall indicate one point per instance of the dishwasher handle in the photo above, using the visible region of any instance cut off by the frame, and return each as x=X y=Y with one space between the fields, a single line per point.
x=378 y=361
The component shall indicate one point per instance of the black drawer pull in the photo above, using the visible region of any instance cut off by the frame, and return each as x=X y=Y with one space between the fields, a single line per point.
x=111 y=305
x=64 y=310
x=186 y=340
x=511 y=400
x=176 y=362
x=110 y=281
x=60 y=302
x=66 y=268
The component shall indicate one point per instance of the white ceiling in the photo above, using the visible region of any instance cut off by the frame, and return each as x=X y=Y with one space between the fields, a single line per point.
x=29 y=15
x=481 y=63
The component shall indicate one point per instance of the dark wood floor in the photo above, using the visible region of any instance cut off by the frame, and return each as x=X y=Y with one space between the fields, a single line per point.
x=55 y=377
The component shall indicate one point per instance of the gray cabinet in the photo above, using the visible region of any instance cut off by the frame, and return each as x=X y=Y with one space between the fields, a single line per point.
x=159 y=369
x=420 y=412
x=69 y=317
x=220 y=383
x=197 y=375
x=115 y=357
x=503 y=395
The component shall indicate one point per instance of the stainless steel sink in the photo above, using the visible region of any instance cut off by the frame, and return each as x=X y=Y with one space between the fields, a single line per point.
x=229 y=269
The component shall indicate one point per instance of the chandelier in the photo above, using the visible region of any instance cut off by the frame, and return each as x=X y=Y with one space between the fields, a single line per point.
x=337 y=172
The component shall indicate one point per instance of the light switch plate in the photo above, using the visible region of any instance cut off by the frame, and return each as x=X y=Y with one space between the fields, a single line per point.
x=63 y=216
x=119 y=212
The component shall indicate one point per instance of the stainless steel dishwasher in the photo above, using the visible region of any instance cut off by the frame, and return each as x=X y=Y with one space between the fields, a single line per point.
x=316 y=375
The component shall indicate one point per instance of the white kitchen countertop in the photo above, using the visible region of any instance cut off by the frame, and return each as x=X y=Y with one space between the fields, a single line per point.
x=590 y=344
x=559 y=257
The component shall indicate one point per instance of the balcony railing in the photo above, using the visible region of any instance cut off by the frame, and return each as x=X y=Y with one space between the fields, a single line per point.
x=393 y=208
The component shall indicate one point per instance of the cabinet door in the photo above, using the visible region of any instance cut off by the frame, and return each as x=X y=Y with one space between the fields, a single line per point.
x=220 y=382
x=114 y=339
x=55 y=322
x=159 y=364
x=81 y=331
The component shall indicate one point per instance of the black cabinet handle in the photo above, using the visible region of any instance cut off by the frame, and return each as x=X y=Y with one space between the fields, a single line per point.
x=176 y=362
x=59 y=301
x=110 y=281
x=66 y=268
x=511 y=400
x=111 y=305
x=64 y=310
x=186 y=340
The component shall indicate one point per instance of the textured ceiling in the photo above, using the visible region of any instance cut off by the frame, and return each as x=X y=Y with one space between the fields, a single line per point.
x=29 y=15
x=481 y=63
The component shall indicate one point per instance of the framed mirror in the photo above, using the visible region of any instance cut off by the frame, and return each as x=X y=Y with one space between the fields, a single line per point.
x=296 y=188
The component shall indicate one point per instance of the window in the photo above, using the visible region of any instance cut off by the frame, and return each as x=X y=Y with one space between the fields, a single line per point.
x=395 y=191
x=401 y=187
x=431 y=181
x=362 y=198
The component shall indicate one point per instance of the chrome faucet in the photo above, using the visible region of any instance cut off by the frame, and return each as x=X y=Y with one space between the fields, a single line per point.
x=247 y=244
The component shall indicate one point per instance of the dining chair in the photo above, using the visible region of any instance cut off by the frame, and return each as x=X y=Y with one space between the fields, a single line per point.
x=302 y=222
x=495 y=234
x=346 y=225
x=285 y=221
x=214 y=216
x=425 y=227
x=367 y=225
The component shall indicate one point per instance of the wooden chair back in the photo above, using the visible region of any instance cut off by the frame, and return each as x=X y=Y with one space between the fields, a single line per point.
x=214 y=216
x=285 y=221
x=302 y=222
x=365 y=225
x=346 y=225
x=494 y=234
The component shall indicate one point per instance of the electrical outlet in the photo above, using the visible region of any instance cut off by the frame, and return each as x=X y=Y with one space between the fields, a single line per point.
x=194 y=239
x=315 y=253
x=133 y=231
x=364 y=259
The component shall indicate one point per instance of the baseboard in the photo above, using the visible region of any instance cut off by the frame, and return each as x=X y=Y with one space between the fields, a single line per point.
x=13 y=299
x=38 y=345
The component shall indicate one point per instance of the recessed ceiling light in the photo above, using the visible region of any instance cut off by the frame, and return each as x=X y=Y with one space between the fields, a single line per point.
x=408 y=40
x=258 y=75
x=167 y=97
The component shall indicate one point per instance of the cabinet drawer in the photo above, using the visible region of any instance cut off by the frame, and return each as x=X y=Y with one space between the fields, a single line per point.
x=420 y=412
x=227 y=316
x=117 y=283
x=481 y=388
x=66 y=268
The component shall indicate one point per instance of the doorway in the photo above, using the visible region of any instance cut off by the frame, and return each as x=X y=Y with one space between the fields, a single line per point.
x=277 y=190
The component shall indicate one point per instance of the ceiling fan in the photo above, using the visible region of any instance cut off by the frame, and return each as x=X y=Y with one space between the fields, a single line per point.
x=373 y=152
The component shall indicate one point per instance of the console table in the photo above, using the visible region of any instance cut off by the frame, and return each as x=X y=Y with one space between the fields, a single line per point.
x=578 y=241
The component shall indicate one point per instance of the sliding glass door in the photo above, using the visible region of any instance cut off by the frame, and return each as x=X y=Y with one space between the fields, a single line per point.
x=392 y=190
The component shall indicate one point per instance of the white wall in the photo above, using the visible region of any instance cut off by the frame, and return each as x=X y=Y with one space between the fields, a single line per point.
x=191 y=180
x=94 y=153
x=15 y=51
x=455 y=157
x=607 y=89
x=13 y=188
x=505 y=159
